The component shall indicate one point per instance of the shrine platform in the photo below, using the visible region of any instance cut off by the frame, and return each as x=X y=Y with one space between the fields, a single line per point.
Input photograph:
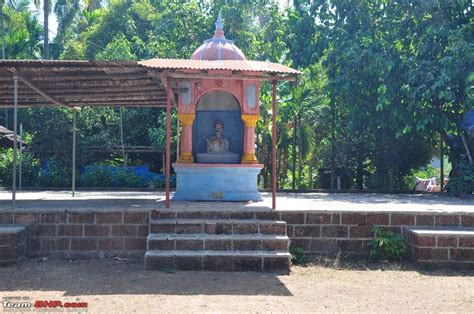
x=51 y=201
x=106 y=224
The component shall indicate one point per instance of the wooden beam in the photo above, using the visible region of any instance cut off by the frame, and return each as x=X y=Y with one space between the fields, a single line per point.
x=162 y=76
x=136 y=104
x=38 y=90
x=87 y=77
x=125 y=89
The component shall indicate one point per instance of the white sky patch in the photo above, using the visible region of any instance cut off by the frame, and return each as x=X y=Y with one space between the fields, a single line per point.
x=53 y=21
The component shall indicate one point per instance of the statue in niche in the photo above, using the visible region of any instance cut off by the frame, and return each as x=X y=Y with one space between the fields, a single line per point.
x=218 y=144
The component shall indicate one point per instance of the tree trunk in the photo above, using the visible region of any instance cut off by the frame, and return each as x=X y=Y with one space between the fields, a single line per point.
x=333 y=143
x=300 y=157
x=293 y=183
x=46 y=29
x=360 y=173
x=280 y=157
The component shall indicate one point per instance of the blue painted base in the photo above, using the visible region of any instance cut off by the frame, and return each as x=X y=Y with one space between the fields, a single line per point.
x=216 y=182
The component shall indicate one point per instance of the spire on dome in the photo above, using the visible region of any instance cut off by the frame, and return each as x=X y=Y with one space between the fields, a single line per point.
x=219 y=24
x=219 y=33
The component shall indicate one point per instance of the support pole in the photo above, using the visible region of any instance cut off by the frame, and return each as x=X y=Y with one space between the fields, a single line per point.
x=74 y=122
x=121 y=138
x=15 y=140
x=20 y=170
x=274 y=141
x=177 y=140
x=168 y=142
x=441 y=159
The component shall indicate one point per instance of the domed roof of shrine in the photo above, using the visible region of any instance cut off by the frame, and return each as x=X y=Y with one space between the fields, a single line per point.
x=218 y=47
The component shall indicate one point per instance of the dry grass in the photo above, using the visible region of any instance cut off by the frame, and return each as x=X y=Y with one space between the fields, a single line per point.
x=111 y=286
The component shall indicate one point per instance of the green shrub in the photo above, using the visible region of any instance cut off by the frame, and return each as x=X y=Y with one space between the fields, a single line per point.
x=297 y=255
x=386 y=245
x=96 y=176
x=54 y=174
x=30 y=168
x=464 y=182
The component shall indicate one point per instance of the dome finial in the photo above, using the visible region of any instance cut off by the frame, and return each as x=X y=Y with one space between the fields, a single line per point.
x=219 y=24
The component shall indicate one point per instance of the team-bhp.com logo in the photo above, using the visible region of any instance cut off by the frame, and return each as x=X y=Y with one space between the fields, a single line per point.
x=24 y=304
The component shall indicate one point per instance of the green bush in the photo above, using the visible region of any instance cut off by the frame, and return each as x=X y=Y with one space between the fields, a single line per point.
x=97 y=175
x=30 y=168
x=297 y=255
x=463 y=183
x=54 y=174
x=386 y=245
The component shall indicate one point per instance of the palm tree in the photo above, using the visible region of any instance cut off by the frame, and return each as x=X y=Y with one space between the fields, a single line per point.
x=305 y=105
x=46 y=13
x=2 y=31
x=65 y=10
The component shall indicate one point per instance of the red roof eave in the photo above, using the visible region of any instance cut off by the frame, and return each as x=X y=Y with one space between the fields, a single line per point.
x=258 y=68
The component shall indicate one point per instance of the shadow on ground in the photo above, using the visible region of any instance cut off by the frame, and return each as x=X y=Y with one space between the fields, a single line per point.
x=109 y=277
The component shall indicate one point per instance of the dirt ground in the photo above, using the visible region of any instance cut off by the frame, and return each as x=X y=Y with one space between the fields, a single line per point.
x=111 y=286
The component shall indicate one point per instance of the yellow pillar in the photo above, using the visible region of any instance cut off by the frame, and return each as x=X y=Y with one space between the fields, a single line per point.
x=250 y=121
x=186 y=146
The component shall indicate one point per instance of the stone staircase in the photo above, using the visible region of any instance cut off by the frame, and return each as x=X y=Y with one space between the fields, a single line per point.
x=219 y=240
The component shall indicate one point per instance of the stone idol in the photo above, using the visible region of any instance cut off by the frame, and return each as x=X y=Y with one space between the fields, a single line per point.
x=217 y=148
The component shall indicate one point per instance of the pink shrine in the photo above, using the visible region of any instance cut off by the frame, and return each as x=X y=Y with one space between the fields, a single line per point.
x=214 y=166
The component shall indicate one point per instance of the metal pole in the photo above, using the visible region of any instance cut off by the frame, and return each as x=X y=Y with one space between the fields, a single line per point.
x=74 y=122
x=274 y=141
x=168 y=141
x=20 y=170
x=441 y=148
x=177 y=140
x=15 y=140
x=121 y=137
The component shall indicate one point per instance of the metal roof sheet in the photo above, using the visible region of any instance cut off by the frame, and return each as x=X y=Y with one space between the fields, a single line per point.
x=230 y=65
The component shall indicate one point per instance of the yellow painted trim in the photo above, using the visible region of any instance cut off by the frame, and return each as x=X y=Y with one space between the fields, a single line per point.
x=249 y=158
x=250 y=120
x=186 y=118
x=186 y=157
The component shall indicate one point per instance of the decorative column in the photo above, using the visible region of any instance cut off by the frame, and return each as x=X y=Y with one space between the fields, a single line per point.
x=250 y=121
x=186 y=120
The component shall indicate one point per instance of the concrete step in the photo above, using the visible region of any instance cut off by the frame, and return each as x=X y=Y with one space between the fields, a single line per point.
x=451 y=247
x=191 y=213
x=12 y=244
x=218 y=260
x=217 y=226
x=219 y=242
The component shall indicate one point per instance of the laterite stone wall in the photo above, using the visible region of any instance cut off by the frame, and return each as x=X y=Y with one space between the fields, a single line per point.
x=90 y=234
x=83 y=234
x=349 y=232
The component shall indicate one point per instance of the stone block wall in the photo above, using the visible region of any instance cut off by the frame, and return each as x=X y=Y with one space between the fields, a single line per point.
x=451 y=247
x=83 y=234
x=90 y=234
x=12 y=243
x=321 y=232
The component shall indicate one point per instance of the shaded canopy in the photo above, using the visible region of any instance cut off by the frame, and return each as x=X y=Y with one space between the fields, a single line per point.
x=71 y=83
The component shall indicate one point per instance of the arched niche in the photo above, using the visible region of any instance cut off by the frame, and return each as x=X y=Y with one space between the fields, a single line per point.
x=214 y=106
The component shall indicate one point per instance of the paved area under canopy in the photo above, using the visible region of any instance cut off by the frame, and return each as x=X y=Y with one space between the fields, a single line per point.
x=144 y=201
